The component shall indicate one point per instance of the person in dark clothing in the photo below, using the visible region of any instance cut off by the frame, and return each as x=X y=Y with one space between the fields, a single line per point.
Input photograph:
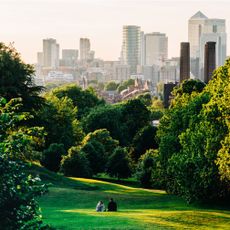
x=112 y=206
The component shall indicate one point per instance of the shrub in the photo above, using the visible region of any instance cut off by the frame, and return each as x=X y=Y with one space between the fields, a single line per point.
x=148 y=172
x=76 y=164
x=51 y=157
x=18 y=207
x=119 y=164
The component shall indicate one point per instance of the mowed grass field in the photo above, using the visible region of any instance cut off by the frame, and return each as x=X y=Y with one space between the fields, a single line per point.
x=70 y=204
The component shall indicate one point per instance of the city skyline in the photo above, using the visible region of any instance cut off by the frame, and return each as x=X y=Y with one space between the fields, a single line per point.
x=27 y=23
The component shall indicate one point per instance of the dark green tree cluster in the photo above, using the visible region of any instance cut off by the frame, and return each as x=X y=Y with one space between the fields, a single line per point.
x=193 y=139
x=18 y=206
x=125 y=84
x=122 y=120
x=84 y=100
x=16 y=79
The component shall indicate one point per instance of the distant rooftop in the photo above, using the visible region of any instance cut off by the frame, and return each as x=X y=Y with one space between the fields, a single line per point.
x=199 y=15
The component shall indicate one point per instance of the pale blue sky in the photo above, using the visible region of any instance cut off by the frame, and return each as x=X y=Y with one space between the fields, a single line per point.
x=27 y=22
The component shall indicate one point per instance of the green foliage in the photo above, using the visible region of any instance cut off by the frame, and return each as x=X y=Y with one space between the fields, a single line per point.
x=106 y=117
x=51 y=157
x=95 y=153
x=120 y=120
x=125 y=84
x=18 y=207
x=145 y=98
x=98 y=146
x=103 y=137
x=18 y=141
x=118 y=164
x=194 y=140
x=84 y=100
x=58 y=117
x=111 y=86
x=144 y=140
x=148 y=169
x=135 y=116
x=76 y=163
x=16 y=79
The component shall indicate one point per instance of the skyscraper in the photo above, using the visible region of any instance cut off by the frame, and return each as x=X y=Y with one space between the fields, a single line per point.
x=50 y=53
x=69 y=57
x=131 y=47
x=201 y=30
x=84 y=49
x=156 y=49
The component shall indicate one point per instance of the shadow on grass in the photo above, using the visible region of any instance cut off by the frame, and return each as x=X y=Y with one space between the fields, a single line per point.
x=150 y=219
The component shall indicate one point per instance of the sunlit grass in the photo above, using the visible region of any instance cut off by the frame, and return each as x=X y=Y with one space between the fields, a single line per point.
x=73 y=208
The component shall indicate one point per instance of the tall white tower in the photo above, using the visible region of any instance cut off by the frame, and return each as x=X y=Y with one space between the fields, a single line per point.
x=201 y=30
x=84 y=49
x=131 y=50
x=156 y=49
x=50 y=53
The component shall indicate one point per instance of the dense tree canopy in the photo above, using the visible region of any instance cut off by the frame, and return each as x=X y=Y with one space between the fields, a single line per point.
x=58 y=117
x=111 y=86
x=16 y=79
x=18 y=206
x=122 y=120
x=84 y=100
x=193 y=138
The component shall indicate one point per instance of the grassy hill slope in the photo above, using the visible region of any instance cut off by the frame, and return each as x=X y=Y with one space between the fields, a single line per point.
x=71 y=202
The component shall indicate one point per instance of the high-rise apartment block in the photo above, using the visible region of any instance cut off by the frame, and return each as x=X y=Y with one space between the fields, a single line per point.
x=155 y=49
x=69 y=57
x=201 y=30
x=50 y=53
x=84 y=49
x=131 y=47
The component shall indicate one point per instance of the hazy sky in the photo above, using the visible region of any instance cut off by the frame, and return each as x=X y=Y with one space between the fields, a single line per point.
x=27 y=22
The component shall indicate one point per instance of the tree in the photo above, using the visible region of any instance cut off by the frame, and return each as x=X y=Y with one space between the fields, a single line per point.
x=51 y=157
x=16 y=79
x=193 y=138
x=84 y=100
x=107 y=117
x=98 y=146
x=103 y=137
x=135 y=116
x=143 y=140
x=95 y=153
x=58 y=117
x=145 y=98
x=148 y=169
x=119 y=164
x=111 y=86
x=19 y=190
x=125 y=84
x=76 y=164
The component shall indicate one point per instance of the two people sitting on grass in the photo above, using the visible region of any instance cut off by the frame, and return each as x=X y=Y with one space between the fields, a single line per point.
x=112 y=206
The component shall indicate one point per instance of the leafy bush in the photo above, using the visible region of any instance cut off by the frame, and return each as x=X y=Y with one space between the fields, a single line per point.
x=143 y=140
x=119 y=164
x=148 y=170
x=76 y=164
x=51 y=157
x=95 y=153
x=18 y=206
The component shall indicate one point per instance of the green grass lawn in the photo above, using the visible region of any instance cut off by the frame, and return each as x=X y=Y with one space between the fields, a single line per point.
x=71 y=203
